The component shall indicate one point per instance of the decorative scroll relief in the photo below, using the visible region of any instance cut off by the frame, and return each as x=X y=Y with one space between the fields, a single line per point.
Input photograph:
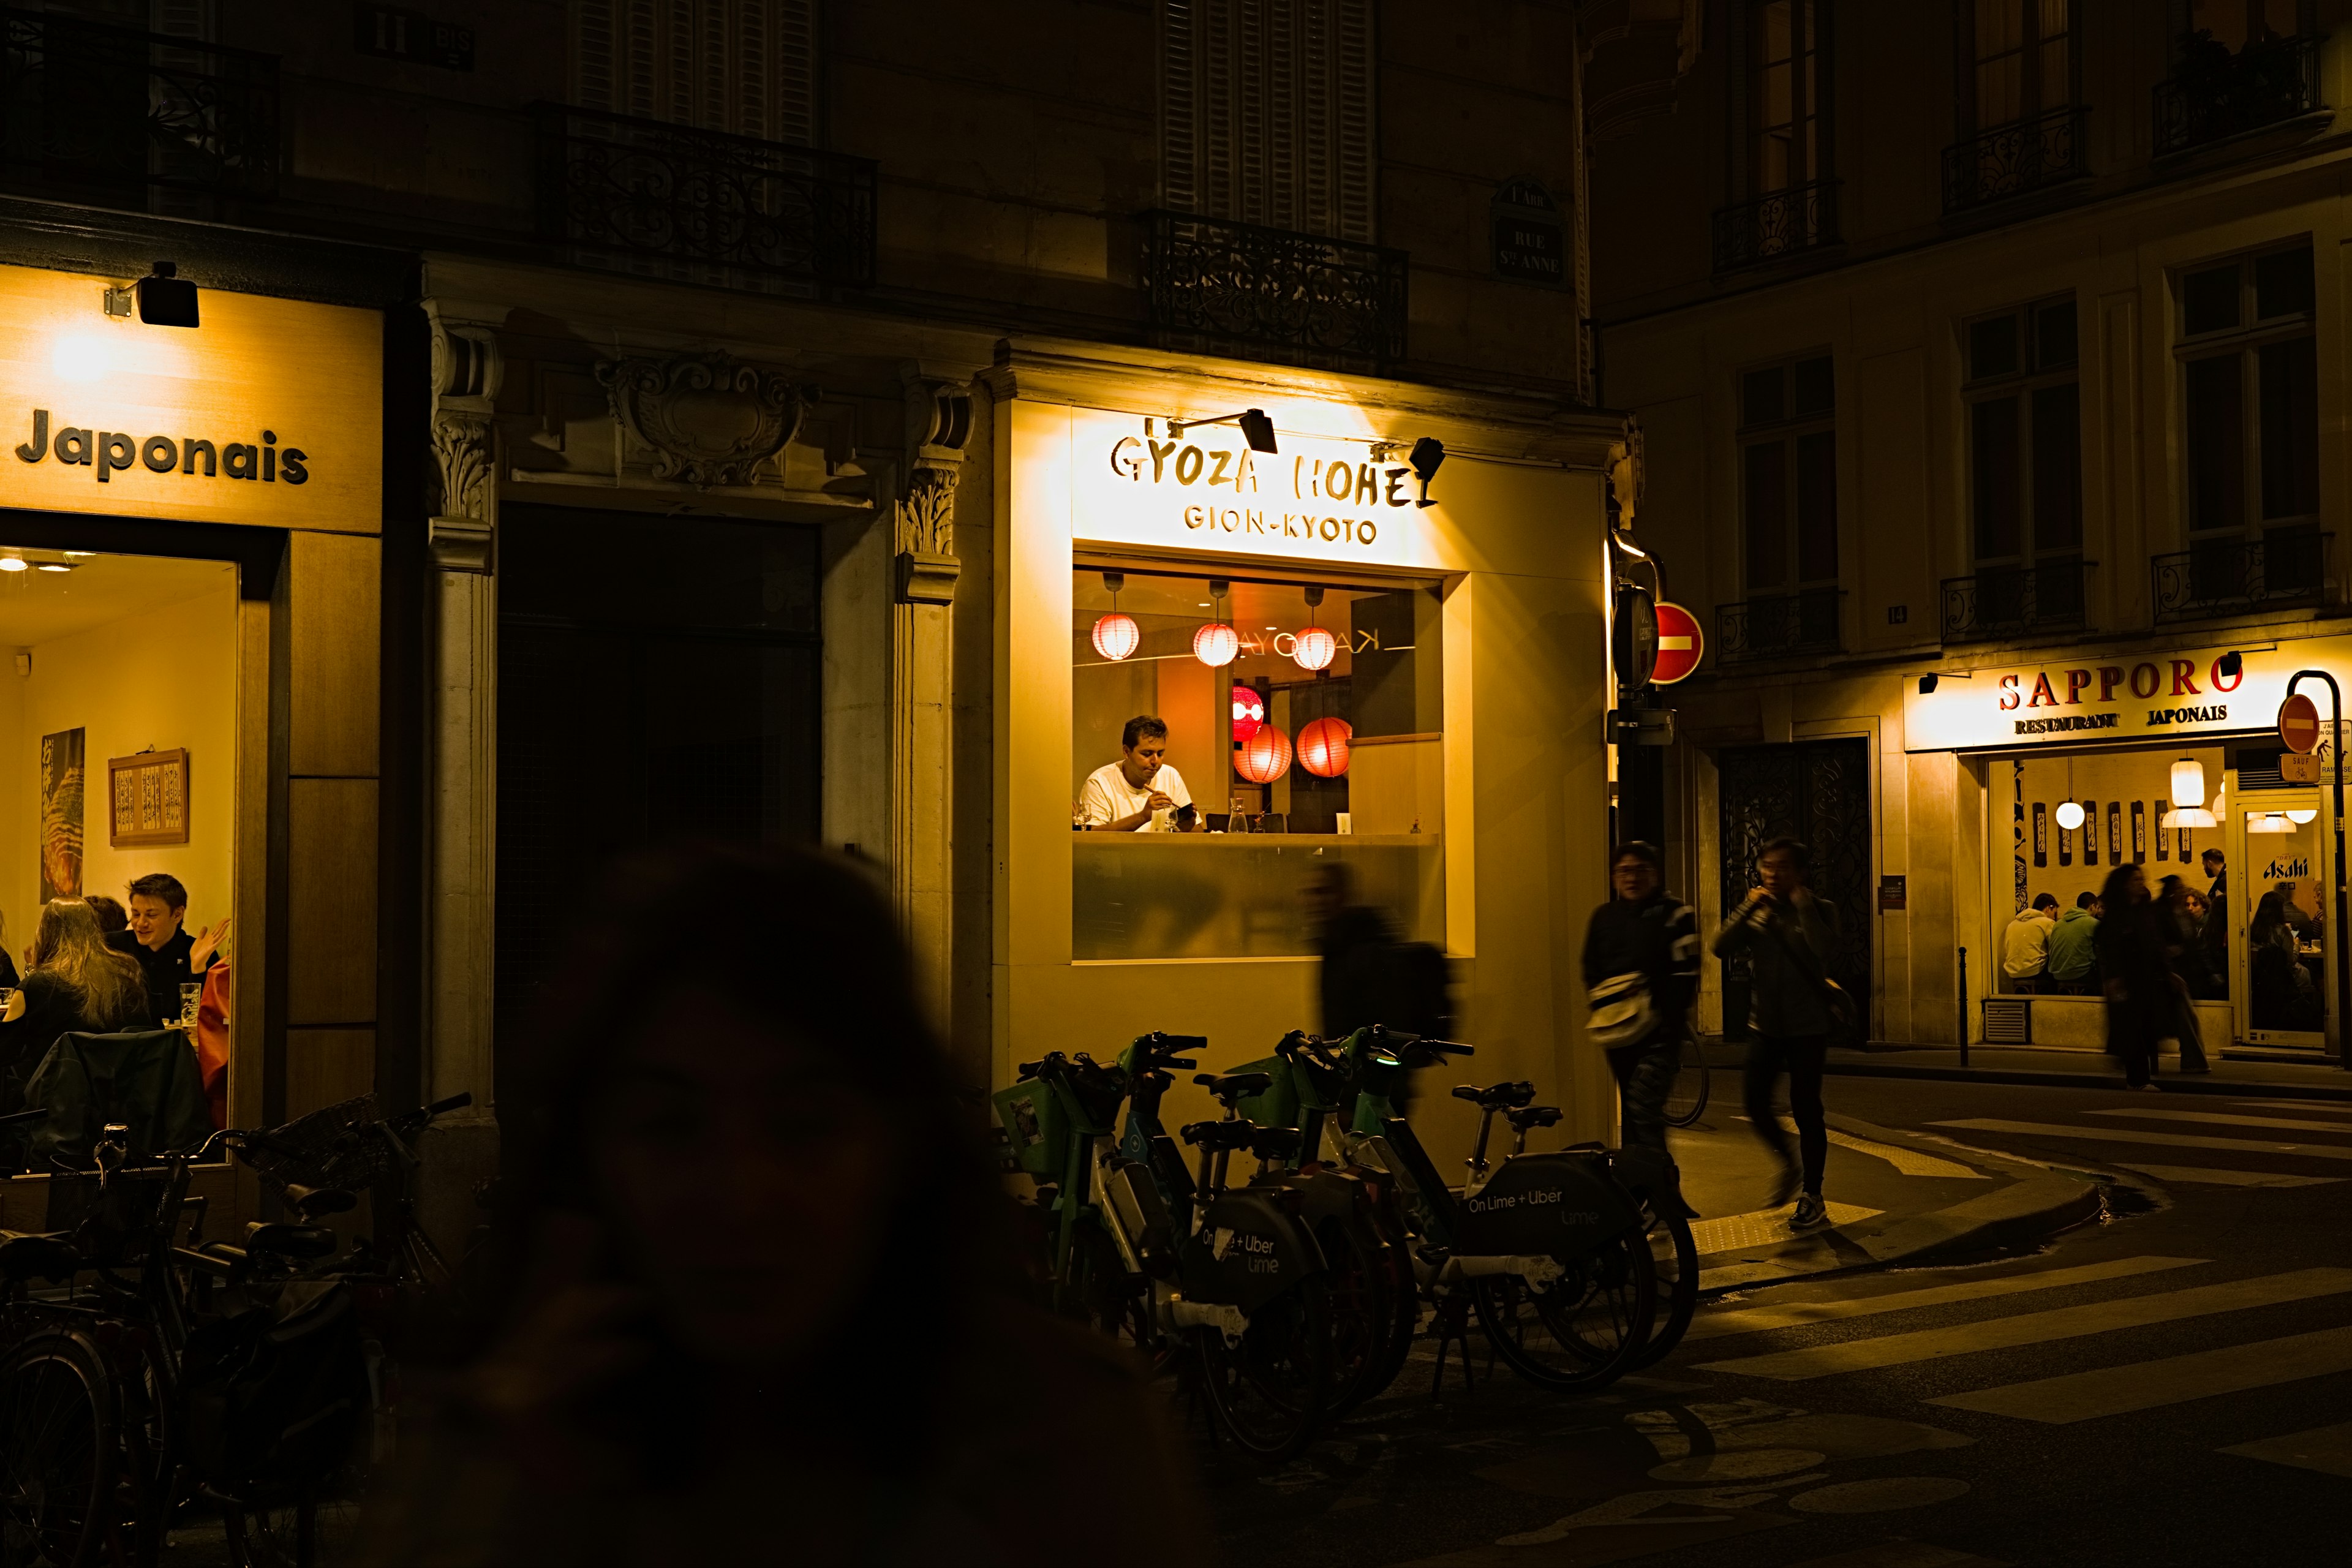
x=467 y=369
x=938 y=424
x=708 y=419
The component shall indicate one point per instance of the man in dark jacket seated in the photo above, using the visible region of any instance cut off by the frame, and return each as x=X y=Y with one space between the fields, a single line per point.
x=169 y=956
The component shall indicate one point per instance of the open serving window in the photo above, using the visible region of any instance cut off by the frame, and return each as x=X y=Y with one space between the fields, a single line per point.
x=1301 y=722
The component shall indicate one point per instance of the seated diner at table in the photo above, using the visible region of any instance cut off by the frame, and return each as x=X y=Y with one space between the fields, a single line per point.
x=168 y=955
x=1141 y=792
x=73 y=982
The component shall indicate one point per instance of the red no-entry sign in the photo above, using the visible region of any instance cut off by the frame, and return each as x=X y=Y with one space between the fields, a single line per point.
x=1680 y=645
x=2299 y=724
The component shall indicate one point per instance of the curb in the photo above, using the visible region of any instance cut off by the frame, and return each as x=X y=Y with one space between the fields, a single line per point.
x=2168 y=1083
x=2034 y=1204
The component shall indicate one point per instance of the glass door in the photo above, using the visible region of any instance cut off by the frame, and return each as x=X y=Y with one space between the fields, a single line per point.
x=2280 y=903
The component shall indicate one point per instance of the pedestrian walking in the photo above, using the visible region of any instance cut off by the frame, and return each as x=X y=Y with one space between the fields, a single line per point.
x=1640 y=969
x=2143 y=992
x=1790 y=938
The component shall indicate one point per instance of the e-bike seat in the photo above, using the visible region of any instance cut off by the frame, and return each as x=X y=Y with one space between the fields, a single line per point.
x=1228 y=1087
x=24 y=1254
x=1495 y=1097
x=293 y=1241
x=1533 y=1116
x=1265 y=1142
x=309 y=1201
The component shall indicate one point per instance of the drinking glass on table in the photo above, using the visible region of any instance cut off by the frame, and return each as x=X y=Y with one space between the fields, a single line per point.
x=192 y=994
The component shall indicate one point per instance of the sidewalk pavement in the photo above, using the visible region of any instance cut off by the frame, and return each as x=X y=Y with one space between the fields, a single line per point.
x=1894 y=1198
x=2051 y=1067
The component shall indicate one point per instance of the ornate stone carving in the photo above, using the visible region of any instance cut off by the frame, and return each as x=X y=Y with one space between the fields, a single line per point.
x=1627 y=475
x=466 y=371
x=710 y=419
x=938 y=424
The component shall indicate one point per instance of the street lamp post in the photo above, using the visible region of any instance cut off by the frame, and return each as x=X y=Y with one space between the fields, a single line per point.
x=2343 y=952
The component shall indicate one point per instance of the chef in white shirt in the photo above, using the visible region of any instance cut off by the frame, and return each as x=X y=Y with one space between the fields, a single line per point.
x=1140 y=793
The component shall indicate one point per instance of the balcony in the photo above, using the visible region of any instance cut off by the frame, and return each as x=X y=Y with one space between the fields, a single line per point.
x=1268 y=293
x=1780 y=627
x=1783 y=223
x=2285 y=570
x=111 y=115
x=2014 y=160
x=659 y=200
x=2013 y=600
x=2214 y=93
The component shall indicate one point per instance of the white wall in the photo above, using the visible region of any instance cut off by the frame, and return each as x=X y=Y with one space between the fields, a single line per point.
x=163 y=678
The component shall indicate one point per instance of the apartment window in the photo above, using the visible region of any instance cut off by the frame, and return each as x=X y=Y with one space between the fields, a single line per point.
x=1788 y=441
x=2024 y=60
x=2250 y=397
x=1786 y=124
x=2025 y=447
x=2235 y=24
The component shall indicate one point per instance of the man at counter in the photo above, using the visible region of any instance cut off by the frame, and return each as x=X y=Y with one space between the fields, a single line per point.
x=1140 y=793
x=169 y=956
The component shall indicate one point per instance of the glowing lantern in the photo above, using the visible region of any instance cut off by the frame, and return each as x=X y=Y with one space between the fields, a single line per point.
x=1249 y=713
x=1266 y=757
x=2069 y=815
x=1315 y=649
x=1323 y=747
x=1117 y=636
x=1215 y=645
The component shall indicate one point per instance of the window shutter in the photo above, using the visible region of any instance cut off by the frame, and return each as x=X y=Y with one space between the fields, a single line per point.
x=1268 y=113
x=743 y=66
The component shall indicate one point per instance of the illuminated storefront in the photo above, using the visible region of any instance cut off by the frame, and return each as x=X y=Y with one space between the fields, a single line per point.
x=1362 y=653
x=191 y=594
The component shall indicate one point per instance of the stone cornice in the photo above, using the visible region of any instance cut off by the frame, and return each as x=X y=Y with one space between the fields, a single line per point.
x=1472 y=422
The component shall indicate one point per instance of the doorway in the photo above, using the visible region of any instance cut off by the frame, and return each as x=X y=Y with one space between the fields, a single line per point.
x=2281 y=909
x=1816 y=790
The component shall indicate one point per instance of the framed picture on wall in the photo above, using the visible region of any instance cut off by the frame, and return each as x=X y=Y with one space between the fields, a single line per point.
x=148 y=799
x=61 y=815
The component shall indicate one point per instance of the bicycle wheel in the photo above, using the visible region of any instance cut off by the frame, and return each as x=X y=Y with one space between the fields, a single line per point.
x=1363 y=1310
x=1269 y=1392
x=320 y=1531
x=1585 y=1329
x=1687 y=1100
x=58 y=1442
x=1675 y=1255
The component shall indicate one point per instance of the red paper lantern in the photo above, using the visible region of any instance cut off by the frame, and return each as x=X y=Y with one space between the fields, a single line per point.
x=1249 y=713
x=1215 y=645
x=1323 y=747
x=1266 y=757
x=1117 y=636
x=1314 y=648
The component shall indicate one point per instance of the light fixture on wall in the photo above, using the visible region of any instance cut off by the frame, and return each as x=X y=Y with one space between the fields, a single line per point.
x=2069 y=813
x=2187 y=798
x=1116 y=634
x=162 y=299
x=1315 y=647
x=2269 y=822
x=1256 y=428
x=1427 y=454
x=1216 y=644
x=2300 y=817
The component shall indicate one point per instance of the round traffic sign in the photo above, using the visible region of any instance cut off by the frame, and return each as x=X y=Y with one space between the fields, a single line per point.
x=2299 y=723
x=1680 y=645
x=1636 y=649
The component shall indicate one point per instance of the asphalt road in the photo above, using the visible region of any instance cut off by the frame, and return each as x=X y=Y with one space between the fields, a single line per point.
x=2171 y=1385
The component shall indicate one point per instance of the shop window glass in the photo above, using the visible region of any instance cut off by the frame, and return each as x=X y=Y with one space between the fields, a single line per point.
x=2250 y=401
x=1287 y=768
x=2025 y=468
x=1789 y=475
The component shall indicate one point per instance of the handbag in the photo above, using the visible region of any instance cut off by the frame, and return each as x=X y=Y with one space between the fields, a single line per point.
x=1621 y=1012
x=1845 y=1018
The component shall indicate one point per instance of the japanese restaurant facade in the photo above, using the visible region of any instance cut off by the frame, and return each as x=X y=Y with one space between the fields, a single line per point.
x=1352 y=666
x=195 y=600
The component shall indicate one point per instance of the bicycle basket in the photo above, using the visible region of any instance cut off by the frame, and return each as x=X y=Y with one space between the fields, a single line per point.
x=331 y=1147
x=1278 y=1106
x=1036 y=1128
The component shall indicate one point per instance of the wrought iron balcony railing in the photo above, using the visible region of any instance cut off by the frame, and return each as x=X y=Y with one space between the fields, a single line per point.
x=1779 y=627
x=1782 y=223
x=107 y=113
x=672 y=201
x=1268 y=293
x=2285 y=569
x=2214 y=93
x=2013 y=160
x=2008 y=601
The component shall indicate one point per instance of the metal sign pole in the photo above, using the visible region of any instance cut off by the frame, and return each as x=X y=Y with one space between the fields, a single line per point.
x=2337 y=938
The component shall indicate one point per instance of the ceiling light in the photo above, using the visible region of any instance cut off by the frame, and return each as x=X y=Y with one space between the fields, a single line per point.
x=2300 y=817
x=2070 y=812
x=2188 y=782
x=2189 y=817
x=11 y=564
x=54 y=566
x=2269 y=822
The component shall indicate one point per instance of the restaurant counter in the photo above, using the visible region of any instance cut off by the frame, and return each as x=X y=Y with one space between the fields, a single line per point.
x=1146 y=896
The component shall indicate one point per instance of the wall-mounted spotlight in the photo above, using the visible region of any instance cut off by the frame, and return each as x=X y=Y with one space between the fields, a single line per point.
x=1427 y=454
x=2230 y=663
x=1256 y=428
x=1927 y=685
x=165 y=298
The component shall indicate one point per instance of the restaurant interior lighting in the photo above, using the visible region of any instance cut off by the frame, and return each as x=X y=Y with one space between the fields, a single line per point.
x=1256 y=428
x=12 y=564
x=2070 y=812
x=1216 y=644
x=1115 y=635
x=2300 y=817
x=2269 y=822
x=1323 y=746
x=1249 y=713
x=56 y=566
x=1314 y=648
x=1266 y=757
x=2188 y=782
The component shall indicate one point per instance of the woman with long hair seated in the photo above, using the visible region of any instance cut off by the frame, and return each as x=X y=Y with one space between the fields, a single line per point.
x=73 y=982
x=753 y=1300
x=2285 y=997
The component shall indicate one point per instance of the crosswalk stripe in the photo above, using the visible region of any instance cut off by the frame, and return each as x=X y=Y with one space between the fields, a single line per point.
x=2311 y=1107
x=1903 y=1554
x=2327 y=1449
x=2207 y=1176
x=2221 y=1119
x=2145 y=1385
x=2039 y=1328
x=2169 y=1140
x=1909 y=1161
x=1795 y=1314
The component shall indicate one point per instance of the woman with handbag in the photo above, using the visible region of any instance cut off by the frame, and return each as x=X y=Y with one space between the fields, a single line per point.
x=1790 y=938
x=1641 y=972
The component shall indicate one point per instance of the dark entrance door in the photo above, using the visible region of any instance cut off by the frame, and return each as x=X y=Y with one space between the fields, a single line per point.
x=1818 y=791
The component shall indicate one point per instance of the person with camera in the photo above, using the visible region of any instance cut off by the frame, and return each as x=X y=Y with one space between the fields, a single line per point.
x=1790 y=938
x=1141 y=792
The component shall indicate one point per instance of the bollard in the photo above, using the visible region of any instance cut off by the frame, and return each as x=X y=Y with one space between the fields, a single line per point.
x=1964 y=1007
